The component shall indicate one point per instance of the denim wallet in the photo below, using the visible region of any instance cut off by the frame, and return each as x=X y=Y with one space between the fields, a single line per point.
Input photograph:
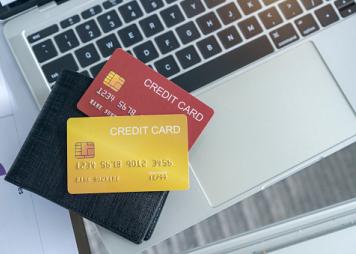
x=41 y=167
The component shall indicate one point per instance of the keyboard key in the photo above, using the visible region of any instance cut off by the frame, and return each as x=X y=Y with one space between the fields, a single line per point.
x=167 y=42
x=307 y=25
x=146 y=52
x=43 y=33
x=229 y=37
x=130 y=11
x=44 y=50
x=87 y=55
x=229 y=13
x=268 y=2
x=130 y=35
x=188 y=57
x=249 y=6
x=167 y=66
x=96 y=69
x=111 y=3
x=348 y=10
x=109 y=21
x=95 y=10
x=152 y=5
x=188 y=32
x=52 y=70
x=88 y=31
x=213 y=3
x=310 y=4
x=172 y=16
x=290 y=8
x=66 y=41
x=192 y=7
x=284 y=36
x=151 y=25
x=170 y=1
x=85 y=73
x=250 y=27
x=270 y=17
x=224 y=64
x=70 y=21
x=209 y=47
x=108 y=44
x=208 y=23
x=326 y=15
x=341 y=4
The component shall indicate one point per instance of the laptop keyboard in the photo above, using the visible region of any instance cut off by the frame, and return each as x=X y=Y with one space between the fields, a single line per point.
x=192 y=42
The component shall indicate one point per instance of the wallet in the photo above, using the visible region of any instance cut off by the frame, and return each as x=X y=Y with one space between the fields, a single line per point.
x=41 y=167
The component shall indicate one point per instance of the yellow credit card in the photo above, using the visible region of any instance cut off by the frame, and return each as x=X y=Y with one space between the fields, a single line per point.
x=127 y=154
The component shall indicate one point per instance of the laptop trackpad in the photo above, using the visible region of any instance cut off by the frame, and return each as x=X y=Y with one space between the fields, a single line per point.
x=268 y=120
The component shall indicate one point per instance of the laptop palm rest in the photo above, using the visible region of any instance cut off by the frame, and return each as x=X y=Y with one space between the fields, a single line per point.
x=267 y=121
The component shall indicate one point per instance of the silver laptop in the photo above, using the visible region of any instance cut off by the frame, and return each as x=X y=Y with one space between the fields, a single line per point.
x=278 y=73
x=324 y=231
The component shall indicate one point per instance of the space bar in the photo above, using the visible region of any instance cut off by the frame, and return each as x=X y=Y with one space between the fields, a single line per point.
x=225 y=64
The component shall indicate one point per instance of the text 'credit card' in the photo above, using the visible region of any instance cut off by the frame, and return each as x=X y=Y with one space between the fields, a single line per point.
x=126 y=86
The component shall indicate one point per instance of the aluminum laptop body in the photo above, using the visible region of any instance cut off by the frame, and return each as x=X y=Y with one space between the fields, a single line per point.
x=279 y=75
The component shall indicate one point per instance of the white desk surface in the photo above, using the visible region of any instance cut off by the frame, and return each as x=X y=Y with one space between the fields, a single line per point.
x=28 y=223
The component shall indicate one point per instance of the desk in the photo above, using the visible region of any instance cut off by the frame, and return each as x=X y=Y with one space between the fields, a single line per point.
x=29 y=223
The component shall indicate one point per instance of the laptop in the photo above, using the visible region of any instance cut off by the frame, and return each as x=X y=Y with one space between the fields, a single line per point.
x=278 y=73
x=326 y=230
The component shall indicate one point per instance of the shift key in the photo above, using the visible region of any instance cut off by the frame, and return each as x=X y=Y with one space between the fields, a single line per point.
x=284 y=35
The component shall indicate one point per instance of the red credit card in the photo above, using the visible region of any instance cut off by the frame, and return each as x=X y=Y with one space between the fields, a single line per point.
x=126 y=86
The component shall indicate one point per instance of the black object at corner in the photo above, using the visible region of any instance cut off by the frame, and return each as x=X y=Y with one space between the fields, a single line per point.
x=41 y=167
